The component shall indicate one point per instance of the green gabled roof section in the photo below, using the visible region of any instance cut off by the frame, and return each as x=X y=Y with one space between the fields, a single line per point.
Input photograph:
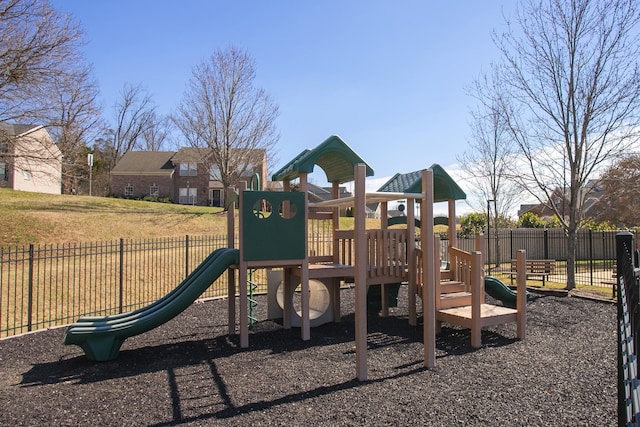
x=444 y=187
x=334 y=156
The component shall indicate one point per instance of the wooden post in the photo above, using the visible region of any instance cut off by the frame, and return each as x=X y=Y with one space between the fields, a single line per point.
x=243 y=299
x=360 y=271
x=478 y=243
x=428 y=270
x=476 y=299
x=304 y=274
x=411 y=255
x=521 y=298
x=287 y=280
x=231 y=276
x=452 y=224
x=335 y=225
x=384 y=297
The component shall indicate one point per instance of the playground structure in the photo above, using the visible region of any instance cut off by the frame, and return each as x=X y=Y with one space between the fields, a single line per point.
x=284 y=231
x=364 y=256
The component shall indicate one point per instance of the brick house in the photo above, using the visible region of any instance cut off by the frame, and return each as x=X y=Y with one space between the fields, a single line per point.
x=29 y=159
x=141 y=174
x=186 y=176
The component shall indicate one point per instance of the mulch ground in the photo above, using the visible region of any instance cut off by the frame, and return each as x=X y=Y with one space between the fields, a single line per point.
x=189 y=371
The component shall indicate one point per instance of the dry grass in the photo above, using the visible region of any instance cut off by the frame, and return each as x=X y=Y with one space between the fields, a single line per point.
x=42 y=218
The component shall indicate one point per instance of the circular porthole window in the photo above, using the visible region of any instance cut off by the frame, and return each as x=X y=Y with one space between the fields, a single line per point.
x=287 y=209
x=262 y=208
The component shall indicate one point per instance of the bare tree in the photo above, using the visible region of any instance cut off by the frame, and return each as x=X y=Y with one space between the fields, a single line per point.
x=75 y=118
x=226 y=117
x=135 y=115
x=488 y=163
x=36 y=44
x=570 y=92
x=158 y=135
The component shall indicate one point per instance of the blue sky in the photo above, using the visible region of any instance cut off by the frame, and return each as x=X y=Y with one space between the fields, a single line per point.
x=389 y=77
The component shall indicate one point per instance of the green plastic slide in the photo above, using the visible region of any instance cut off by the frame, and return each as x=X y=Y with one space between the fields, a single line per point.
x=499 y=290
x=101 y=337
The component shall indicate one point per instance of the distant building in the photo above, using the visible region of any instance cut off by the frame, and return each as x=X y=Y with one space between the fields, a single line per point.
x=187 y=176
x=139 y=174
x=590 y=195
x=29 y=159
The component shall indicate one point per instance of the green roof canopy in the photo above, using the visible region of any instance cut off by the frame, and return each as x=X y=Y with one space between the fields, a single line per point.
x=334 y=156
x=444 y=187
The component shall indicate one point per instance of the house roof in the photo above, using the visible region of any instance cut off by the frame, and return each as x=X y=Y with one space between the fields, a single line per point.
x=145 y=163
x=334 y=156
x=191 y=155
x=444 y=187
x=17 y=129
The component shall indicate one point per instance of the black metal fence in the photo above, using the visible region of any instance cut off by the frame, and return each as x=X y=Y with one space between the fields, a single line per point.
x=628 y=280
x=49 y=285
x=595 y=251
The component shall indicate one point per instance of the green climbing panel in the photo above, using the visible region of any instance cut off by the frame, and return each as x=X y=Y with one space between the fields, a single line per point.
x=273 y=225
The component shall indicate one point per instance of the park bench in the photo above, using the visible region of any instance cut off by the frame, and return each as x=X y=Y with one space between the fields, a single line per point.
x=535 y=268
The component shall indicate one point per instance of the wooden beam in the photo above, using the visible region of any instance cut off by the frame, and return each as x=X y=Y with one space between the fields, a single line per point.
x=521 y=298
x=361 y=272
x=411 y=255
x=452 y=224
x=428 y=290
x=231 y=274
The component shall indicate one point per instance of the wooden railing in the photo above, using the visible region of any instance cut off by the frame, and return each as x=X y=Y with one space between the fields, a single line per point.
x=346 y=246
x=320 y=243
x=461 y=266
x=387 y=254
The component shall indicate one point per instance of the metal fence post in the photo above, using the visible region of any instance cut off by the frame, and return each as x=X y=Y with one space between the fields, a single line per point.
x=30 y=291
x=121 y=277
x=591 y=257
x=186 y=256
x=511 y=244
x=546 y=244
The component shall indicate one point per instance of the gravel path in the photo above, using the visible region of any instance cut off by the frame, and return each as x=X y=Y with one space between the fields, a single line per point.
x=189 y=372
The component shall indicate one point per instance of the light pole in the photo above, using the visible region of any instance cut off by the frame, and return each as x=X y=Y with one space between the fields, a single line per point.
x=90 y=163
x=489 y=233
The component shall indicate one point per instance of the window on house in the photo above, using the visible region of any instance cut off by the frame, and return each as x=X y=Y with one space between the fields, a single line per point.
x=4 y=147
x=128 y=190
x=26 y=174
x=188 y=169
x=3 y=171
x=188 y=196
x=154 y=191
x=214 y=173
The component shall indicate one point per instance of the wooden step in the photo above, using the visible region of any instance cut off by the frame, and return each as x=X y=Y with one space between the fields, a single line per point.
x=489 y=315
x=451 y=286
x=455 y=299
